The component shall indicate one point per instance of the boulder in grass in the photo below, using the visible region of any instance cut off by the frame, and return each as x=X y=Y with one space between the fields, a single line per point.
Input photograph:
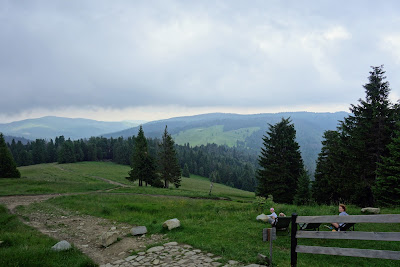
x=139 y=230
x=62 y=245
x=171 y=224
x=262 y=217
x=108 y=238
x=371 y=210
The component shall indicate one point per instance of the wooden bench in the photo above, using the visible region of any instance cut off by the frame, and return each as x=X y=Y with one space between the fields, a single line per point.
x=282 y=223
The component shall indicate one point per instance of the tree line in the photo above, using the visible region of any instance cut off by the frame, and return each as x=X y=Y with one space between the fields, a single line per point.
x=359 y=163
x=230 y=166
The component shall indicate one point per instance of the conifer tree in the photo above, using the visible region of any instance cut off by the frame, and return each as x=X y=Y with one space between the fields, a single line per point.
x=143 y=168
x=168 y=161
x=328 y=186
x=185 y=172
x=281 y=163
x=366 y=134
x=8 y=168
x=387 y=188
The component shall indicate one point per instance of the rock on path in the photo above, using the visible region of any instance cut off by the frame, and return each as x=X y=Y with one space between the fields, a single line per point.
x=174 y=255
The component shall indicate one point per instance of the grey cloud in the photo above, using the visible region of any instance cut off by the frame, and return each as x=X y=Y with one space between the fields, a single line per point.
x=224 y=53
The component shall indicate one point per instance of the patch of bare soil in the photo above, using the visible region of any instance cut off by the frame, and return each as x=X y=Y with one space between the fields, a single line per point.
x=81 y=230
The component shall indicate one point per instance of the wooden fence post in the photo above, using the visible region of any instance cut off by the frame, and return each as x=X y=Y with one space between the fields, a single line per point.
x=293 y=254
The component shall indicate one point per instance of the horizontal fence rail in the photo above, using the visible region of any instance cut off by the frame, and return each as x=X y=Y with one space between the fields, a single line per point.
x=348 y=235
x=352 y=252
x=387 y=218
x=376 y=236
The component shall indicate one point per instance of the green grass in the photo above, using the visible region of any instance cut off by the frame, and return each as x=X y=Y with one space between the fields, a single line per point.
x=226 y=228
x=214 y=134
x=196 y=187
x=80 y=177
x=52 y=178
x=24 y=246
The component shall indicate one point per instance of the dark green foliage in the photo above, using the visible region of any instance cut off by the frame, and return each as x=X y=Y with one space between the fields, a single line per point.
x=185 y=172
x=303 y=193
x=143 y=168
x=387 y=188
x=328 y=186
x=168 y=161
x=8 y=168
x=66 y=154
x=281 y=163
x=348 y=163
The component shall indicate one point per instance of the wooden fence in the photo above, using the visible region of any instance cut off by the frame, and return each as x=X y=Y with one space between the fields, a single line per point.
x=353 y=252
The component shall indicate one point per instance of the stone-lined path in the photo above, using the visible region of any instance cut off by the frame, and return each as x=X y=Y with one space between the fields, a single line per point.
x=174 y=255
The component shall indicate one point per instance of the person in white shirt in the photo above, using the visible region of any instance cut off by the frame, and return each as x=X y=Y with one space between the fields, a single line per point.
x=272 y=216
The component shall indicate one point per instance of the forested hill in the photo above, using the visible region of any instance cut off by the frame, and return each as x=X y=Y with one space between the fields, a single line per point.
x=244 y=131
x=49 y=127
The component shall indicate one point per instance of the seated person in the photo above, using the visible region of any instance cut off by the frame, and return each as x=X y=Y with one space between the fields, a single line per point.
x=282 y=214
x=342 y=210
x=272 y=216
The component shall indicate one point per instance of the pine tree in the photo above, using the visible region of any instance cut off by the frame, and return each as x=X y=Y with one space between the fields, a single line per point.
x=328 y=186
x=366 y=135
x=143 y=168
x=186 y=172
x=281 y=163
x=303 y=193
x=387 y=188
x=168 y=161
x=8 y=168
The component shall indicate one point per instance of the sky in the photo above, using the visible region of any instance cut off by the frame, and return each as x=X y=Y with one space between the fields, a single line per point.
x=151 y=60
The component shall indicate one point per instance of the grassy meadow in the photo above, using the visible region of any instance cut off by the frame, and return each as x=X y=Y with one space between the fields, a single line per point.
x=224 y=227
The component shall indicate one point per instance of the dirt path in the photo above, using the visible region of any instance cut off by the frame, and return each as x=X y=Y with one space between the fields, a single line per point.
x=83 y=231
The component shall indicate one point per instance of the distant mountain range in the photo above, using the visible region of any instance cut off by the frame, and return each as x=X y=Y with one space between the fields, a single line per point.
x=234 y=130
x=244 y=131
x=51 y=127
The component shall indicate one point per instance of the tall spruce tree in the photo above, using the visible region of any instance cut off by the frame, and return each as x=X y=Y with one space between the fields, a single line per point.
x=387 y=188
x=8 y=168
x=168 y=161
x=143 y=168
x=329 y=186
x=281 y=163
x=366 y=134
x=303 y=193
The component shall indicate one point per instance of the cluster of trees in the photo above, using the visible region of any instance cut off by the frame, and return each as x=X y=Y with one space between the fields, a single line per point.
x=359 y=162
x=146 y=169
x=230 y=166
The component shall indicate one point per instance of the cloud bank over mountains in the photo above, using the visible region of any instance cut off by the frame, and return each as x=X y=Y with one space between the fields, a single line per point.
x=162 y=57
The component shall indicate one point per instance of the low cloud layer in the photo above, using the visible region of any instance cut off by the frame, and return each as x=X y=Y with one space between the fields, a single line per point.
x=131 y=54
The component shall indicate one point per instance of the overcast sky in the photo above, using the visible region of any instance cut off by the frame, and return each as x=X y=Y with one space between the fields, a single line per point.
x=148 y=60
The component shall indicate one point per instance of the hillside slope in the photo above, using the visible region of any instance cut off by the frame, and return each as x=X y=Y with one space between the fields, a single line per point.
x=245 y=131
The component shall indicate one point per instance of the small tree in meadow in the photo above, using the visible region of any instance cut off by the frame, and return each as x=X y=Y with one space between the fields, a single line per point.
x=8 y=167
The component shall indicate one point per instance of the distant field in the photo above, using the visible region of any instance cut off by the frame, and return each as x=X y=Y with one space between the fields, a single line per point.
x=51 y=178
x=214 y=134
x=80 y=177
